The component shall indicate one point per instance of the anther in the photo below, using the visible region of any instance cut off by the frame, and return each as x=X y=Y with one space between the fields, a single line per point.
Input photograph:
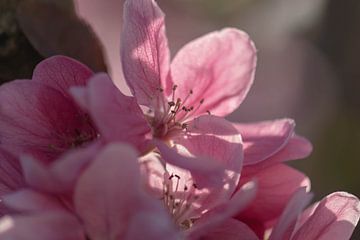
x=202 y=101
x=208 y=112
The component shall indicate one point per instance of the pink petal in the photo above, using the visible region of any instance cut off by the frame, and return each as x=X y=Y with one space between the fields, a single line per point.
x=231 y=229
x=216 y=139
x=211 y=150
x=11 y=177
x=154 y=224
x=223 y=212
x=79 y=94
x=205 y=171
x=276 y=186
x=118 y=117
x=144 y=51
x=286 y=223
x=297 y=148
x=39 y=176
x=264 y=139
x=61 y=73
x=305 y=215
x=31 y=201
x=40 y=120
x=108 y=194
x=152 y=171
x=45 y=226
x=67 y=169
x=334 y=218
x=219 y=68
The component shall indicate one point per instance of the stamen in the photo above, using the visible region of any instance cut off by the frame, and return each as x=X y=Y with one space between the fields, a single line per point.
x=187 y=96
x=173 y=92
x=179 y=203
x=185 y=118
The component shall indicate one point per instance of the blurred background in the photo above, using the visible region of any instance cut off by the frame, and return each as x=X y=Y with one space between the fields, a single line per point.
x=308 y=62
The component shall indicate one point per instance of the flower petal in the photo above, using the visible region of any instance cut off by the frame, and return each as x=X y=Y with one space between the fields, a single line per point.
x=39 y=176
x=118 y=117
x=334 y=218
x=297 y=148
x=231 y=229
x=214 y=138
x=264 y=139
x=45 y=226
x=221 y=213
x=144 y=51
x=41 y=121
x=219 y=68
x=11 y=177
x=61 y=73
x=284 y=228
x=67 y=169
x=205 y=171
x=27 y=200
x=276 y=186
x=157 y=224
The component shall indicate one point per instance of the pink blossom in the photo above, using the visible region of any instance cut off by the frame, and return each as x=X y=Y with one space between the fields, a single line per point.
x=39 y=117
x=334 y=217
x=211 y=74
x=194 y=207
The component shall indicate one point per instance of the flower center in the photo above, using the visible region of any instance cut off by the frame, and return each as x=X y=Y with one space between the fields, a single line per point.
x=176 y=113
x=75 y=137
x=179 y=200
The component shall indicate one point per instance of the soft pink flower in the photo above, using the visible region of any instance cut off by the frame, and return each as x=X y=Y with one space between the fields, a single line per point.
x=109 y=199
x=211 y=74
x=194 y=208
x=39 y=117
x=334 y=217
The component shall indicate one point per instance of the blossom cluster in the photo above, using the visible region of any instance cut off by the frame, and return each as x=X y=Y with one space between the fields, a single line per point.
x=81 y=160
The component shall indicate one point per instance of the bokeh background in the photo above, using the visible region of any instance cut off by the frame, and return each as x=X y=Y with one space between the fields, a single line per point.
x=308 y=62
